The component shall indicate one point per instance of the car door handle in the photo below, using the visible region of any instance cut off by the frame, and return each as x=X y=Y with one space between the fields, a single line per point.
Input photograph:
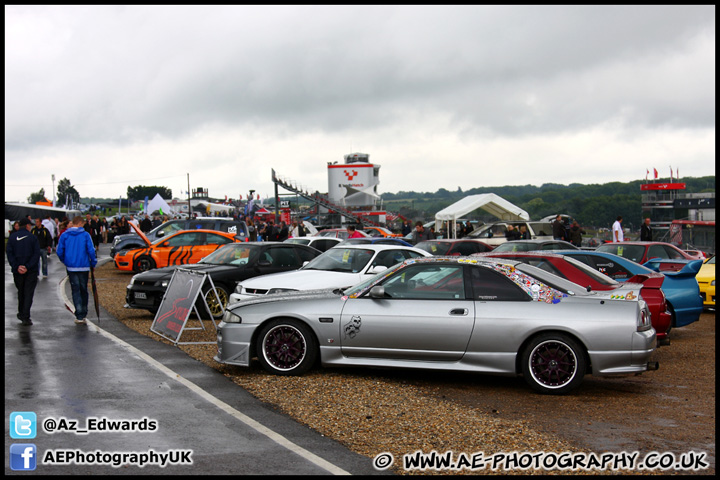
x=459 y=311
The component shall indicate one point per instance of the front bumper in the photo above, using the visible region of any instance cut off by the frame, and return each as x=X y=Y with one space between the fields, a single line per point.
x=144 y=297
x=234 y=343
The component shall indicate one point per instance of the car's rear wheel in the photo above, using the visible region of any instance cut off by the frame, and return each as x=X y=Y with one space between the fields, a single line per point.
x=286 y=347
x=216 y=304
x=553 y=363
x=144 y=263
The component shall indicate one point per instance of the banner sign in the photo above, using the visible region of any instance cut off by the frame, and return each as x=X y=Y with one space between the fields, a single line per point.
x=662 y=186
x=178 y=302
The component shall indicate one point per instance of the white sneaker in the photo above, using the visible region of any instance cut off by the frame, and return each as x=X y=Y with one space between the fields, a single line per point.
x=81 y=322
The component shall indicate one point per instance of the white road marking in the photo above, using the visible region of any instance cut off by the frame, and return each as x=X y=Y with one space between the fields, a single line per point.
x=257 y=426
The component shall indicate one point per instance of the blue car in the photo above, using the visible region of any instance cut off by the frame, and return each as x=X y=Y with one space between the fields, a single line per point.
x=680 y=288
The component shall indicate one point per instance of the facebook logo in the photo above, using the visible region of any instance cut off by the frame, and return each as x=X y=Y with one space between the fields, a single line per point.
x=23 y=425
x=23 y=456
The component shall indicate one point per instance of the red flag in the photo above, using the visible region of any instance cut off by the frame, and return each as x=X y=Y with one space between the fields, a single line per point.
x=671 y=177
x=655 y=170
x=647 y=172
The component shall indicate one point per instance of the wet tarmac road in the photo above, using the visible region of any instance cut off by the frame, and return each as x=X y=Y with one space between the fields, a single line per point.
x=62 y=371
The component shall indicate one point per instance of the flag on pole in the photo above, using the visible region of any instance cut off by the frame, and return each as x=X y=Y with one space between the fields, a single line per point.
x=671 y=177
x=647 y=172
x=656 y=172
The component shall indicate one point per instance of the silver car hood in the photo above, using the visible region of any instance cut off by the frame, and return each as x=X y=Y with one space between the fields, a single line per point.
x=288 y=296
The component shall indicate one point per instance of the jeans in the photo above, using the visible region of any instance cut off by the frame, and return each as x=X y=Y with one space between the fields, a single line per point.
x=43 y=259
x=78 y=285
x=25 y=284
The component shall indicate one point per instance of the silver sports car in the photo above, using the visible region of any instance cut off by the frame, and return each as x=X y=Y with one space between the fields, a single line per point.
x=457 y=313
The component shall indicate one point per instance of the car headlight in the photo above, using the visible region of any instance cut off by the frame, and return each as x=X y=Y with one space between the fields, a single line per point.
x=121 y=253
x=712 y=283
x=281 y=290
x=230 y=317
x=238 y=289
x=132 y=280
x=163 y=283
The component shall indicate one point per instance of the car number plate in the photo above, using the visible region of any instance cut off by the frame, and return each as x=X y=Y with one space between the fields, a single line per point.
x=140 y=295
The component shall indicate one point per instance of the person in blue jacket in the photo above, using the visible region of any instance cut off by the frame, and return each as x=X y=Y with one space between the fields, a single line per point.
x=23 y=254
x=77 y=251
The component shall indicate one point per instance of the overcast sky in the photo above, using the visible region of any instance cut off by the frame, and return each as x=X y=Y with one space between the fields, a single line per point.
x=440 y=97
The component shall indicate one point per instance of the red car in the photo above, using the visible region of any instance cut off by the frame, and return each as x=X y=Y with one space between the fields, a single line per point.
x=582 y=274
x=454 y=246
x=641 y=252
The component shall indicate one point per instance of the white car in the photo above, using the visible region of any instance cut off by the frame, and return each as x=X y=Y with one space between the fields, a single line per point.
x=339 y=267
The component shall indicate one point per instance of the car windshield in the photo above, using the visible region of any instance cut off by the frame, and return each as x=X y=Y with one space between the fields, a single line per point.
x=631 y=252
x=516 y=247
x=233 y=254
x=362 y=286
x=350 y=260
x=435 y=248
x=711 y=261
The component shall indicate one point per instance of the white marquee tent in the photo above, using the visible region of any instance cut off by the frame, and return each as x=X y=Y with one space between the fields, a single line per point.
x=158 y=204
x=489 y=202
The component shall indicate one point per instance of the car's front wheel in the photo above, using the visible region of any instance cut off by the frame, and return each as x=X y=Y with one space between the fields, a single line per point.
x=144 y=263
x=216 y=304
x=553 y=363
x=286 y=347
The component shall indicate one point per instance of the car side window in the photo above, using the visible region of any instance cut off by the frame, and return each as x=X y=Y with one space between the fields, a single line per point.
x=427 y=282
x=388 y=258
x=466 y=249
x=491 y=286
x=283 y=256
x=186 y=239
x=672 y=253
x=305 y=255
x=657 y=251
x=213 y=239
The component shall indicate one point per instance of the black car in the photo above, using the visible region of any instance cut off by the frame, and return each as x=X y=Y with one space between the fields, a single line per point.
x=530 y=245
x=226 y=266
x=128 y=241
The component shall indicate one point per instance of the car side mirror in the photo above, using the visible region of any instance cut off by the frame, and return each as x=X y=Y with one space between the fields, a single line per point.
x=377 y=269
x=161 y=233
x=263 y=263
x=377 y=292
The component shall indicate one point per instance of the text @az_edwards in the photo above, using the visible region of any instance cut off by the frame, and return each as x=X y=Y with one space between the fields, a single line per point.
x=94 y=424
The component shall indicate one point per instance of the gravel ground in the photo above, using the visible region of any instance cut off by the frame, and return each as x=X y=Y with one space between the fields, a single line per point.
x=373 y=411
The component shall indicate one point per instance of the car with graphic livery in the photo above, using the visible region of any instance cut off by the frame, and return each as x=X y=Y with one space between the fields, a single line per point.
x=482 y=316
x=180 y=248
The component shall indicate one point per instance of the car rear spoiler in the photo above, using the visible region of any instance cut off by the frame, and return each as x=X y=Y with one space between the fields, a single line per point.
x=691 y=268
x=649 y=280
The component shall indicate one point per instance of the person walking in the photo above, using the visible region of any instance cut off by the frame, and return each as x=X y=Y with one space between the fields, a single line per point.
x=646 y=231
x=617 y=231
x=23 y=254
x=576 y=234
x=77 y=252
x=558 y=228
x=45 y=243
x=252 y=231
x=51 y=228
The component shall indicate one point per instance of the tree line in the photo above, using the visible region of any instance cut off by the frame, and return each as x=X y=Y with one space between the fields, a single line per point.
x=591 y=205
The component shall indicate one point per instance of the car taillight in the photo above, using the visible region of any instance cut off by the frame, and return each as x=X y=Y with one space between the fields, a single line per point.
x=643 y=321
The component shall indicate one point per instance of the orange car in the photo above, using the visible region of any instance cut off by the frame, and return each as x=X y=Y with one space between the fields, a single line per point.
x=183 y=247
x=380 y=232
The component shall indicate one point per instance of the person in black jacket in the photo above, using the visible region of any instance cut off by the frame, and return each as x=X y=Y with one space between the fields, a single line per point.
x=646 y=231
x=45 y=243
x=558 y=228
x=23 y=254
